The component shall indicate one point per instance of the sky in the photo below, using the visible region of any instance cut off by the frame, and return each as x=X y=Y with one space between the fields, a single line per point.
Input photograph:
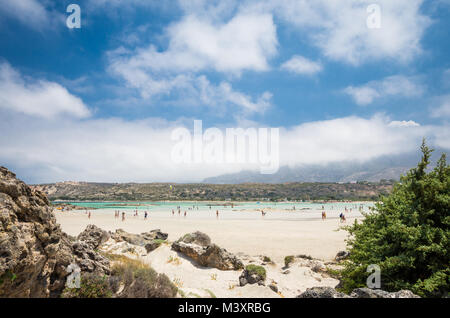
x=341 y=80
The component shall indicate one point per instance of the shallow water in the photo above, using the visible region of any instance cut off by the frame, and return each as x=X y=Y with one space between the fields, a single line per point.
x=201 y=210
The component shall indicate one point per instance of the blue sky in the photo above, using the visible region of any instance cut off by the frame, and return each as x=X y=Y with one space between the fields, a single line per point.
x=98 y=103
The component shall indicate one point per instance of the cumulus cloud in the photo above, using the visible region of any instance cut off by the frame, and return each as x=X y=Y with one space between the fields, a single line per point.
x=37 y=97
x=243 y=43
x=197 y=45
x=339 y=28
x=395 y=86
x=301 y=65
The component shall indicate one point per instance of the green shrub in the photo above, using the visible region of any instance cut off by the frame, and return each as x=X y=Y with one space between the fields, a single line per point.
x=407 y=235
x=141 y=281
x=91 y=286
x=255 y=269
x=267 y=259
x=288 y=260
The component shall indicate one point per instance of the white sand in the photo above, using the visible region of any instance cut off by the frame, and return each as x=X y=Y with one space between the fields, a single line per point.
x=276 y=235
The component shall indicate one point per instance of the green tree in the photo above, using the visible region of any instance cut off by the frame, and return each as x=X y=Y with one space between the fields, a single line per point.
x=406 y=234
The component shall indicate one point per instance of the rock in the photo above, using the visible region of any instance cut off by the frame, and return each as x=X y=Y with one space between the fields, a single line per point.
x=34 y=252
x=378 y=293
x=252 y=274
x=328 y=292
x=286 y=272
x=322 y=292
x=89 y=260
x=142 y=239
x=198 y=247
x=93 y=236
x=197 y=238
x=342 y=255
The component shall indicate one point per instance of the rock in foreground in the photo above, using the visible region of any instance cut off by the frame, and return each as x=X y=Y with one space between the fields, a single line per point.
x=328 y=292
x=34 y=252
x=198 y=247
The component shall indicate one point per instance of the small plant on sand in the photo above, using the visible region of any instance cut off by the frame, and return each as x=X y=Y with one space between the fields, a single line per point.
x=174 y=261
x=266 y=259
x=178 y=282
x=257 y=270
x=231 y=286
x=288 y=260
x=213 y=276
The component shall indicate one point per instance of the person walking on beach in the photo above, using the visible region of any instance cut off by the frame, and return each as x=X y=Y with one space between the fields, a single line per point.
x=89 y=215
x=123 y=216
x=173 y=212
x=217 y=214
x=145 y=215
x=324 y=215
x=184 y=213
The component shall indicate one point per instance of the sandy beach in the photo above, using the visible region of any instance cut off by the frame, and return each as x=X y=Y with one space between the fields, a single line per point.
x=276 y=235
x=245 y=233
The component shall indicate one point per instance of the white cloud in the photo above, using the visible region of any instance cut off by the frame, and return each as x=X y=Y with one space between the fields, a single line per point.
x=246 y=42
x=199 y=45
x=403 y=123
x=443 y=110
x=32 y=13
x=301 y=65
x=395 y=86
x=340 y=30
x=353 y=138
x=37 y=97
x=119 y=150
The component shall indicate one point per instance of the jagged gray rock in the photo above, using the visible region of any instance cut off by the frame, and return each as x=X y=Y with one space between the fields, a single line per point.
x=139 y=239
x=248 y=277
x=322 y=292
x=93 y=236
x=328 y=292
x=198 y=247
x=34 y=252
x=378 y=293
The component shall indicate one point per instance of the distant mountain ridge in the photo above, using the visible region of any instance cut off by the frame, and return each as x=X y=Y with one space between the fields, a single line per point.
x=382 y=168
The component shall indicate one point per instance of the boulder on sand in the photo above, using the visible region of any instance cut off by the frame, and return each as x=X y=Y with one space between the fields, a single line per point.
x=198 y=247
x=150 y=240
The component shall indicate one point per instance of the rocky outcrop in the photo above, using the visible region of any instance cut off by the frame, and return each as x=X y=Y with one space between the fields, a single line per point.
x=322 y=292
x=328 y=292
x=150 y=240
x=93 y=236
x=378 y=293
x=198 y=247
x=34 y=252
